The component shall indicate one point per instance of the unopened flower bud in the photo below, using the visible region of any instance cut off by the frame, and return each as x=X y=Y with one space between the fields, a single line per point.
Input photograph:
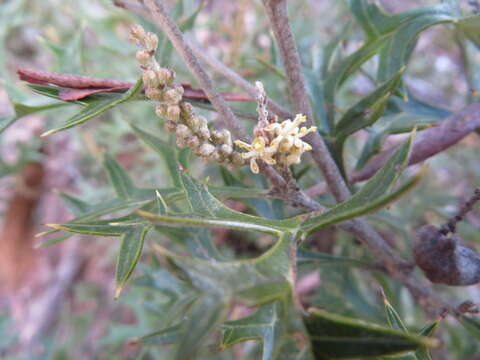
x=173 y=112
x=226 y=137
x=154 y=94
x=180 y=142
x=165 y=76
x=137 y=32
x=237 y=159
x=193 y=142
x=206 y=149
x=150 y=78
x=161 y=110
x=183 y=131
x=202 y=121
x=203 y=132
x=226 y=149
x=215 y=156
x=172 y=96
x=194 y=122
x=216 y=137
x=151 y=41
x=143 y=57
x=170 y=125
x=186 y=110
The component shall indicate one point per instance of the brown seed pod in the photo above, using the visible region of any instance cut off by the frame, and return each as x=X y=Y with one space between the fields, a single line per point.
x=444 y=259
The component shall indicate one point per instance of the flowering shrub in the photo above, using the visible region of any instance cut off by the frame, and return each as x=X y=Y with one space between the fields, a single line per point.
x=301 y=207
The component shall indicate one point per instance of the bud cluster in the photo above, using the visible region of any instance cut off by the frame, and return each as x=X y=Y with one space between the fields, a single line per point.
x=190 y=129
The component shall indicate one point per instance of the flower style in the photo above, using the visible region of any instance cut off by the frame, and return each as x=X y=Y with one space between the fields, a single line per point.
x=281 y=144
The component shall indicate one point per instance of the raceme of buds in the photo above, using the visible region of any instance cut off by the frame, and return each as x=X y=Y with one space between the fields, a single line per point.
x=190 y=129
x=444 y=259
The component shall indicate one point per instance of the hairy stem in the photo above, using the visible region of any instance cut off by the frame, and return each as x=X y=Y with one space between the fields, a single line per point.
x=278 y=16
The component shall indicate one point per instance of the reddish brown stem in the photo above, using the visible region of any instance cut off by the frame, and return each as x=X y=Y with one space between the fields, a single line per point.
x=80 y=86
x=430 y=141
x=69 y=80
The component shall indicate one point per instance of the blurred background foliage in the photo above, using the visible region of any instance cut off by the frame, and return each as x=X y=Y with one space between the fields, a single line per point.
x=91 y=38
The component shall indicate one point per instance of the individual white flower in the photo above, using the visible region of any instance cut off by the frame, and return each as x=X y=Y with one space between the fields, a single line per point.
x=257 y=150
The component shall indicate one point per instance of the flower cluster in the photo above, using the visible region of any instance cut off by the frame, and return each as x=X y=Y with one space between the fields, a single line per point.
x=281 y=144
x=275 y=143
x=190 y=129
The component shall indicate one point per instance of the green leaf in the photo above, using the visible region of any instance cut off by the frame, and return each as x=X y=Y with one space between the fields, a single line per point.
x=393 y=318
x=121 y=181
x=207 y=211
x=402 y=123
x=166 y=336
x=344 y=69
x=373 y=195
x=260 y=204
x=6 y=121
x=53 y=241
x=470 y=26
x=396 y=53
x=315 y=90
x=338 y=337
x=199 y=242
x=161 y=204
x=24 y=109
x=76 y=206
x=130 y=252
x=368 y=110
x=233 y=277
x=307 y=257
x=472 y=324
x=424 y=353
x=92 y=229
x=167 y=151
x=331 y=49
x=69 y=55
x=266 y=325
x=96 y=108
x=206 y=315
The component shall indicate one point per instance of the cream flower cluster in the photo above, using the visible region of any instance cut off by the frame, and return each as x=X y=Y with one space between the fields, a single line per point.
x=281 y=144
x=190 y=129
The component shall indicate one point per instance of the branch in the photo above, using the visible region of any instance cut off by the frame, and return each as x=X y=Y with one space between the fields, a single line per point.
x=238 y=80
x=427 y=144
x=430 y=141
x=278 y=16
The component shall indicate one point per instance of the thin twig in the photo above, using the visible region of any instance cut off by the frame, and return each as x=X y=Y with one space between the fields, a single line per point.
x=237 y=80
